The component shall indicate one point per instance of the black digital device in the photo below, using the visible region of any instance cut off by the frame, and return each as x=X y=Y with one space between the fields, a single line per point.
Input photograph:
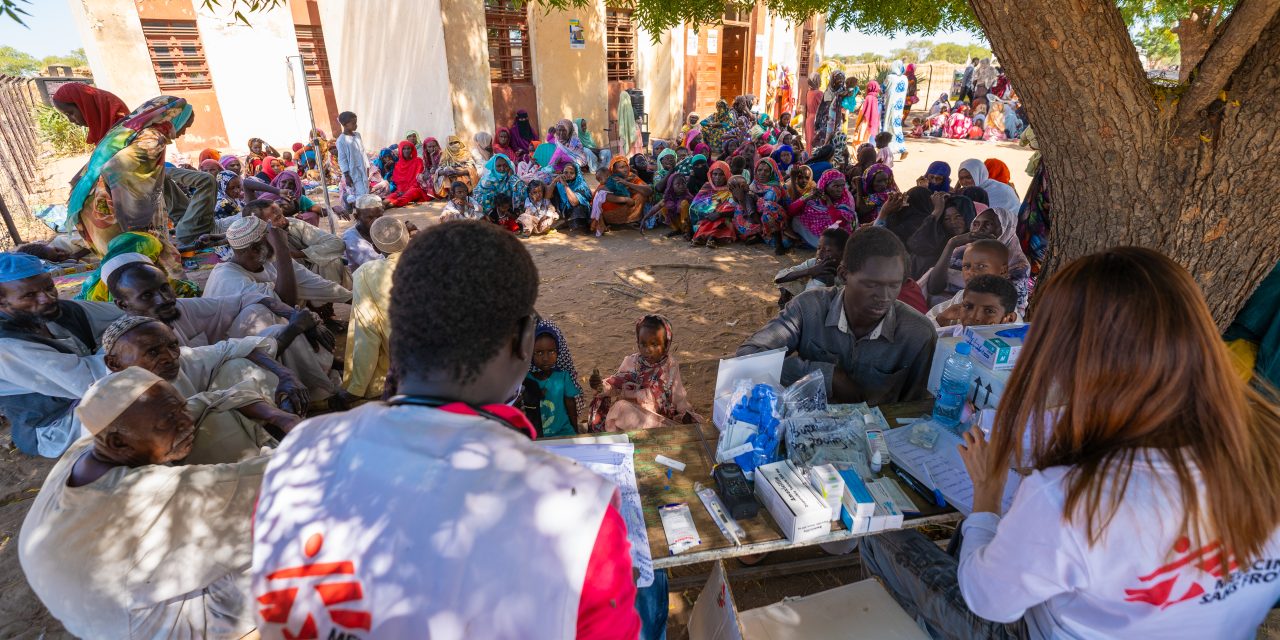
x=734 y=491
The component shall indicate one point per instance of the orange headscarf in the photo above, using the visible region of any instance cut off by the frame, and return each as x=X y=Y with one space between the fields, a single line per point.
x=997 y=170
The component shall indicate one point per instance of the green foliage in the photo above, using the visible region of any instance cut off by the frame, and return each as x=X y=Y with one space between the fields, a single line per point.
x=57 y=131
x=958 y=53
x=74 y=59
x=13 y=9
x=17 y=63
x=1158 y=45
x=1165 y=12
x=914 y=51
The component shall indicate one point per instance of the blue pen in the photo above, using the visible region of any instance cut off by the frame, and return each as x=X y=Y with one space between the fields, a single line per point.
x=668 y=485
x=937 y=495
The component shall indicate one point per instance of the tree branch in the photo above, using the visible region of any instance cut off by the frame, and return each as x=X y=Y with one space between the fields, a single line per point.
x=1243 y=27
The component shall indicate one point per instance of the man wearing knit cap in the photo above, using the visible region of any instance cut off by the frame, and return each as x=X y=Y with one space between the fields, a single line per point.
x=368 y=334
x=261 y=264
x=121 y=544
x=46 y=355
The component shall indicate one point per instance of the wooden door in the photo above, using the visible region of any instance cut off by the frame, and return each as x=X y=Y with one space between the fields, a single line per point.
x=707 y=83
x=733 y=63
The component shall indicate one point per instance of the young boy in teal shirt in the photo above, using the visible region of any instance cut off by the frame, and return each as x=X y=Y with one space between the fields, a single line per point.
x=558 y=408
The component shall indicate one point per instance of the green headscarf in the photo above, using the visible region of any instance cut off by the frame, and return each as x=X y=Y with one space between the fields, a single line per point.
x=584 y=136
x=95 y=289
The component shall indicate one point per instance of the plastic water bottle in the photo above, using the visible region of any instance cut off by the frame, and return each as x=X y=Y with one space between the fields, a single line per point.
x=957 y=374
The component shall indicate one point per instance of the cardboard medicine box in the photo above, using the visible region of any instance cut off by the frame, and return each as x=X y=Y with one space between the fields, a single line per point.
x=998 y=353
x=800 y=512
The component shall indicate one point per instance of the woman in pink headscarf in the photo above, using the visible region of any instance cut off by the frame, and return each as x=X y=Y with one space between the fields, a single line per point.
x=867 y=124
x=829 y=205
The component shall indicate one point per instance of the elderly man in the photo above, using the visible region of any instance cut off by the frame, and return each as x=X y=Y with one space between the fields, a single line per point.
x=238 y=424
x=261 y=264
x=360 y=245
x=120 y=543
x=46 y=355
x=319 y=251
x=369 y=333
x=140 y=288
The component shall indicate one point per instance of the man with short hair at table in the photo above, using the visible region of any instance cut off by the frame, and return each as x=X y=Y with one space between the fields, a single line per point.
x=122 y=543
x=46 y=355
x=869 y=346
x=447 y=520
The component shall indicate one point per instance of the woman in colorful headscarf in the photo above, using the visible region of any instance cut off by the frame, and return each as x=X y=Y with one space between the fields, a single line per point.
x=502 y=144
x=937 y=177
x=895 y=104
x=455 y=164
x=676 y=198
x=829 y=205
x=718 y=127
x=95 y=290
x=258 y=151
x=270 y=167
x=943 y=102
x=603 y=156
x=88 y=106
x=666 y=165
x=386 y=164
x=715 y=207
x=696 y=144
x=628 y=195
x=877 y=186
x=690 y=124
x=785 y=156
x=209 y=154
x=500 y=178
x=958 y=124
x=230 y=192
x=951 y=216
x=572 y=196
x=867 y=124
x=523 y=137
x=799 y=183
x=405 y=176
x=119 y=190
x=994 y=129
x=569 y=147
x=770 y=199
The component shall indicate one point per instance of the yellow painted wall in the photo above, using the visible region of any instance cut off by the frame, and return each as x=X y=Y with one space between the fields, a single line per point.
x=572 y=83
x=466 y=51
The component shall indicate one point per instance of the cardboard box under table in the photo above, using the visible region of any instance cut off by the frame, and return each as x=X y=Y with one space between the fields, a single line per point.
x=694 y=446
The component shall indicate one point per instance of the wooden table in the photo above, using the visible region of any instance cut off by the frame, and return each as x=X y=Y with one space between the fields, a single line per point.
x=694 y=445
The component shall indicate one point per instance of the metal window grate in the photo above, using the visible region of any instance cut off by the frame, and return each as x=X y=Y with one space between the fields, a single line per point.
x=176 y=54
x=315 y=59
x=508 y=30
x=620 y=45
x=806 y=51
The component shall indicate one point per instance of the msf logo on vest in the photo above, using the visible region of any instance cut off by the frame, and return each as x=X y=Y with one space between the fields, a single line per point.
x=1193 y=573
x=321 y=593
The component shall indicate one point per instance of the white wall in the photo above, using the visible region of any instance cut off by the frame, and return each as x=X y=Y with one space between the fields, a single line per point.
x=112 y=38
x=247 y=64
x=388 y=64
x=660 y=74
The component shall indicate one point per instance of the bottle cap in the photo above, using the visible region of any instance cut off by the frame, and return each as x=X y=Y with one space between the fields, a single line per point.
x=963 y=348
x=876 y=458
x=869 y=419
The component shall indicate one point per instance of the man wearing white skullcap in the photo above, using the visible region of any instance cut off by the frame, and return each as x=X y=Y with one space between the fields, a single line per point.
x=120 y=543
x=46 y=355
x=261 y=264
x=368 y=355
x=309 y=245
x=360 y=248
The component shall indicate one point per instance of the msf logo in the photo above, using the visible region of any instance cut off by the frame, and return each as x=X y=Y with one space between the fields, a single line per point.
x=332 y=582
x=1178 y=581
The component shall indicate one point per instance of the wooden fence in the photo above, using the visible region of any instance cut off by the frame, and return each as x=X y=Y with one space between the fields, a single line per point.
x=19 y=153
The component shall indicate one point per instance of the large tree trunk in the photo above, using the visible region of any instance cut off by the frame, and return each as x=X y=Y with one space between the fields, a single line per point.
x=1196 y=32
x=1179 y=171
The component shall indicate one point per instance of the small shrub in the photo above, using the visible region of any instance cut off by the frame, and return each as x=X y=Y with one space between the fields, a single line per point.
x=59 y=133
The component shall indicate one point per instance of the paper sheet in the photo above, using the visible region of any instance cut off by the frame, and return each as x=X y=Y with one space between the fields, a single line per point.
x=615 y=461
x=945 y=465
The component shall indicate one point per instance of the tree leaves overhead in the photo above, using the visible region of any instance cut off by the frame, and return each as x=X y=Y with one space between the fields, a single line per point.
x=13 y=9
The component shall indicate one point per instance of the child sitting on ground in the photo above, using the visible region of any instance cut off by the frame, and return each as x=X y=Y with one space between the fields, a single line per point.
x=503 y=214
x=539 y=215
x=597 y=202
x=884 y=155
x=550 y=392
x=738 y=167
x=981 y=257
x=917 y=128
x=647 y=391
x=820 y=270
x=988 y=299
x=936 y=125
x=461 y=205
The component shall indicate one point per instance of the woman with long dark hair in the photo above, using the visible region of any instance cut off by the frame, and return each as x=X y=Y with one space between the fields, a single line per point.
x=1147 y=506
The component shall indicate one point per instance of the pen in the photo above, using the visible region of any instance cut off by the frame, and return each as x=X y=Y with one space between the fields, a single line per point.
x=937 y=495
x=911 y=482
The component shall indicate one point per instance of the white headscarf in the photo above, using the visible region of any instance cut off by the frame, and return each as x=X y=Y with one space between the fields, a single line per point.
x=999 y=194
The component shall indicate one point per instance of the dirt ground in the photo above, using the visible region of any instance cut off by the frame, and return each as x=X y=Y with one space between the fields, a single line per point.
x=595 y=289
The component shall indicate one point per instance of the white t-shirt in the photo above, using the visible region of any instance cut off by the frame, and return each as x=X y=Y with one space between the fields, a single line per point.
x=1142 y=579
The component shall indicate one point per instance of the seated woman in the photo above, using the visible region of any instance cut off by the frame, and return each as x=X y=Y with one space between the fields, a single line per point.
x=572 y=196
x=696 y=145
x=951 y=216
x=123 y=543
x=405 y=176
x=569 y=147
x=602 y=155
x=785 y=156
x=454 y=163
x=647 y=391
x=500 y=178
x=502 y=144
x=830 y=205
x=1138 y=514
x=675 y=206
x=958 y=124
x=799 y=182
x=627 y=197
x=947 y=276
x=877 y=187
x=230 y=193
x=690 y=124
x=770 y=199
x=666 y=166
x=715 y=206
x=641 y=170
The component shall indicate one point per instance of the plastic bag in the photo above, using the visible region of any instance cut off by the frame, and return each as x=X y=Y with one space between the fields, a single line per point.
x=817 y=438
x=751 y=437
x=806 y=395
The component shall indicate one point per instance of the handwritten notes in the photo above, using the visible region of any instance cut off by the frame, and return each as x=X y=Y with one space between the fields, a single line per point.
x=615 y=461
x=945 y=465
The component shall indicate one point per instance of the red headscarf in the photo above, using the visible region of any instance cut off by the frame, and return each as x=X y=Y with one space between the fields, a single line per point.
x=405 y=173
x=101 y=109
x=268 y=168
x=997 y=170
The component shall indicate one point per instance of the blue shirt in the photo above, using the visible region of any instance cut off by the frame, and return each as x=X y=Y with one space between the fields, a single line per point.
x=555 y=390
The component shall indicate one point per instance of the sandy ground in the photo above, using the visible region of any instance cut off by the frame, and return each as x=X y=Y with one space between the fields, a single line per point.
x=595 y=289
